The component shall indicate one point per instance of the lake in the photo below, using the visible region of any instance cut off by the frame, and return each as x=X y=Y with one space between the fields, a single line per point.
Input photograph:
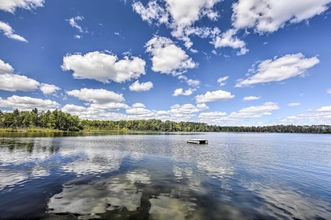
x=160 y=176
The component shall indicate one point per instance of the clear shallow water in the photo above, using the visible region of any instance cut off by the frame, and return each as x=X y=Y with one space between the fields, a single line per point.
x=235 y=176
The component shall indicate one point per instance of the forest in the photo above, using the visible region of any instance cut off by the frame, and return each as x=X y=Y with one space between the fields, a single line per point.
x=58 y=120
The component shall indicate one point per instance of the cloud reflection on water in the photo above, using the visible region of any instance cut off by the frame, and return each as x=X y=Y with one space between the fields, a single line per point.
x=100 y=196
x=9 y=178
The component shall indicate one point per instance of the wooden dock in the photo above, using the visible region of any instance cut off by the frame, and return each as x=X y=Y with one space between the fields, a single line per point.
x=197 y=141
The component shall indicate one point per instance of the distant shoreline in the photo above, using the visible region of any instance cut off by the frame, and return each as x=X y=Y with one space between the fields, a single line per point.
x=58 y=121
x=235 y=130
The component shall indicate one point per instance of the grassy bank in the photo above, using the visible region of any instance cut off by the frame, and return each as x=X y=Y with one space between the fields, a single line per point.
x=37 y=130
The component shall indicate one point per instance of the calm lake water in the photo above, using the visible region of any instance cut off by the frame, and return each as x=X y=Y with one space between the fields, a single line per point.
x=147 y=176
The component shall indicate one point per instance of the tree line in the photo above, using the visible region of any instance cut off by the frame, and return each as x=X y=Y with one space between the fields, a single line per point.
x=66 y=122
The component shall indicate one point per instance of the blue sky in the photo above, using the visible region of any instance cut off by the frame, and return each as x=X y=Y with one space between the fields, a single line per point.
x=220 y=62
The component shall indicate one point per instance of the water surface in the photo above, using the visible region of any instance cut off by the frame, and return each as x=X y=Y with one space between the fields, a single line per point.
x=148 y=176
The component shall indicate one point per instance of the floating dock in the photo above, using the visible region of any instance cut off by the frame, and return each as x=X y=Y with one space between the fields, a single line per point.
x=197 y=141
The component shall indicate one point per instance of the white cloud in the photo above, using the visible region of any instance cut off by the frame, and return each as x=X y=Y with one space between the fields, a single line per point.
x=178 y=112
x=9 y=32
x=222 y=80
x=270 y=15
x=24 y=103
x=96 y=96
x=228 y=39
x=311 y=117
x=203 y=32
x=251 y=98
x=185 y=13
x=72 y=22
x=14 y=82
x=138 y=105
x=11 y=5
x=190 y=82
x=202 y=106
x=294 y=104
x=5 y=67
x=177 y=14
x=255 y=111
x=94 y=113
x=205 y=116
x=236 y=118
x=183 y=112
x=104 y=67
x=135 y=112
x=279 y=69
x=74 y=109
x=214 y=96
x=139 y=111
x=78 y=36
x=329 y=91
x=325 y=109
x=180 y=91
x=136 y=86
x=167 y=57
x=109 y=106
x=153 y=12
x=48 y=89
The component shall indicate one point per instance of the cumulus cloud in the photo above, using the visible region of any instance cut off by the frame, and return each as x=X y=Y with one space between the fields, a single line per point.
x=167 y=57
x=324 y=109
x=185 y=13
x=137 y=87
x=48 y=89
x=109 y=106
x=202 y=106
x=9 y=32
x=96 y=96
x=104 y=67
x=5 y=67
x=228 y=39
x=152 y=12
x=251 y=98
x=239 y=116
x=310 y=117
x=206 y=116
x=177 y=15
x=190 y=82
x=14 y=82
x=25 y=103
x=73 y=23
x=293 y=104
x=138 y=105
x=193 y=82
x=180 y=91
x=139 y=111
x=270 y=15
x=180 y=16
x=329 y=91
x=255 y=111
x=11 y=5
x=94 y=113
x=222 y=80
x=214 y=96
x=279 y=69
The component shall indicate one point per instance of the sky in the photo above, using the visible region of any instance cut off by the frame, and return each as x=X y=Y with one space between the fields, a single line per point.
x=230 y=63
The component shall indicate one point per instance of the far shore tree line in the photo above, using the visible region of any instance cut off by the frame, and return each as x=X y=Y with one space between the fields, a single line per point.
x=59 y=120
